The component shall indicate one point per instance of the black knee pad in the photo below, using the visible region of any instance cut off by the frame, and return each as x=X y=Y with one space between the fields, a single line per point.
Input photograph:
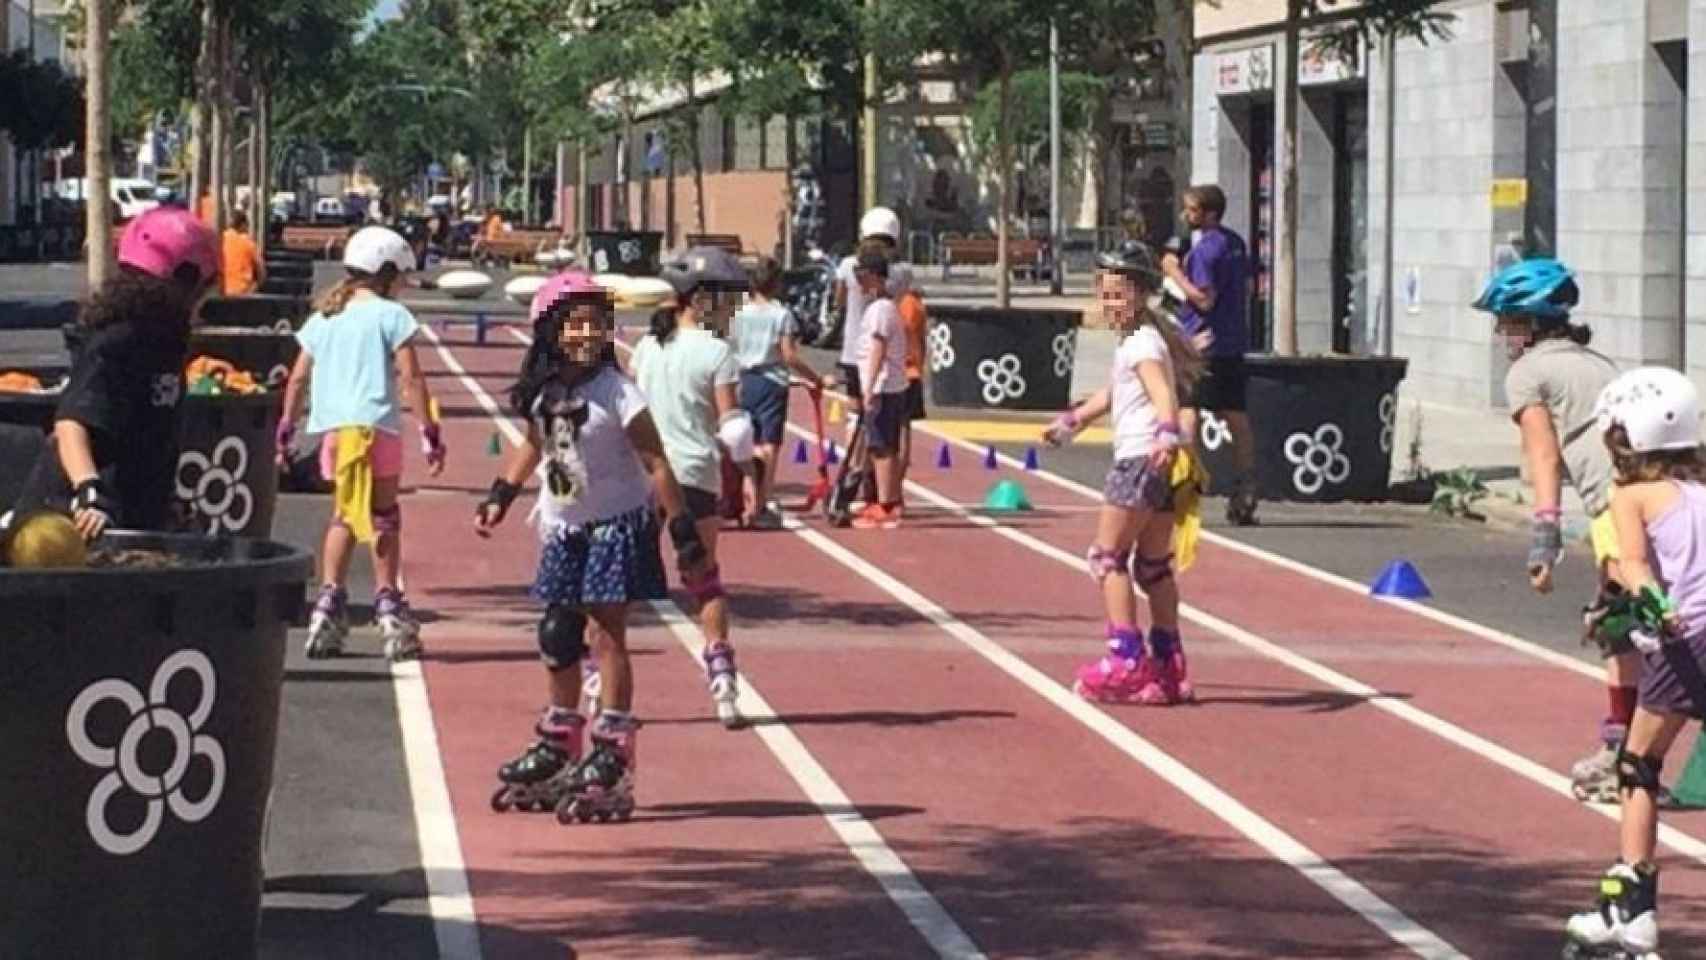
x=1636 y=772
x=562 y=637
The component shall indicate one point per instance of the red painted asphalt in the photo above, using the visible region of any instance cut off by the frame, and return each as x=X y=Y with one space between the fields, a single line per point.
x=1036 y=836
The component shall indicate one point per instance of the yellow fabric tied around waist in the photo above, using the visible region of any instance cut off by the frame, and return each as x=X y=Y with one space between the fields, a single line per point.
x=352 y=495
x=1189 y=479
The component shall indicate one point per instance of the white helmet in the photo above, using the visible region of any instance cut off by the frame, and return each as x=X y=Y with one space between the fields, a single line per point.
x=880 y=222
x=1658 y=407
x=371 y=248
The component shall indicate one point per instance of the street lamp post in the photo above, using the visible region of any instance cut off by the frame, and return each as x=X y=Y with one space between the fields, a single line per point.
x=1054 y=273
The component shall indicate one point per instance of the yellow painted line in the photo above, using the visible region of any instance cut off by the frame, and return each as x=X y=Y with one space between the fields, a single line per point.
x=1009 y=431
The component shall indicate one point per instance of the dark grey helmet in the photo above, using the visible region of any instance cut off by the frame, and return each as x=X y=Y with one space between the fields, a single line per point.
x=710 y=268
x=1135 y=258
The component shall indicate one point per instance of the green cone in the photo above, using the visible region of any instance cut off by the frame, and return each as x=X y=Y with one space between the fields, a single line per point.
x=493 y=446
x=1007 y=496
x=1691 y=789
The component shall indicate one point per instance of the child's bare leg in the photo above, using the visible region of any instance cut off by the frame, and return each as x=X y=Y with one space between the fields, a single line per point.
x=1154 y=568
x=1116 y=531
x=388 y=539
x=1650 y=739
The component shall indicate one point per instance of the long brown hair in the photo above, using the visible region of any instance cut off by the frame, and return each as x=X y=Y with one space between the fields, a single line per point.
x=1631 y=466
x=333 y=301
x=1188 y=362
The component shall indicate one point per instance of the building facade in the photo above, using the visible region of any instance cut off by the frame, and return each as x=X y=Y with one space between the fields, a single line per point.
x=1566 y=127
x=18 y=30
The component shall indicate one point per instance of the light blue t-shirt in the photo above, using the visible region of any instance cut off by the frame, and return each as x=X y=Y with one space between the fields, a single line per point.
x=354 y=358
x=680 y=380
x=756 y=335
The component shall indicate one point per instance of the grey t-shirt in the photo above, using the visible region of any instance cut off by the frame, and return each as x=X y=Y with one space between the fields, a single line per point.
x=756 y=335
x=1566 y=378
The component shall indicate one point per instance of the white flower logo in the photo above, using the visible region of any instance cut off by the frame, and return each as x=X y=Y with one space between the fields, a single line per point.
x=941 y=348
x=1388 y=420
x=1001 y=379
x=124 y=762
x=1215 y=432
x=1318 y=458
x=1065 y=349
x=214 y=490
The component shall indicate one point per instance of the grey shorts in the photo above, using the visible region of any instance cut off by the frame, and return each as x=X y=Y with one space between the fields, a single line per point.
x=1135 y=485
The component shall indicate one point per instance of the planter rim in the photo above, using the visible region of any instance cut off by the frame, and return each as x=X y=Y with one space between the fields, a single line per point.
x=266 y=563
x=1275 y=360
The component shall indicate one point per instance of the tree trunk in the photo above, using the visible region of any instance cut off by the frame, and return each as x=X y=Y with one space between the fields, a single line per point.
x=262 y=203
x=527 y=176
x=1285 y=252
x=1004 y=167
x=1101 y=149
x=698 y=158
x=201 y=119
x=1177 y=23
x=219 y=147
x=98 y=140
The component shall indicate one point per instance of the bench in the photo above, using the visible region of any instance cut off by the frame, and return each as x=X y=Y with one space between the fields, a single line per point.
x=1023 y=253
x=722 y=241
x=512 y=245
x=321 y=241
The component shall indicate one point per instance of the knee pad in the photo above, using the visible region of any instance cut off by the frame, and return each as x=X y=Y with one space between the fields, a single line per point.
x=1149 y=571
x=1103 y=563
x=562 y=637
x=388 y=521
x=708 y=587
x=1636 y=772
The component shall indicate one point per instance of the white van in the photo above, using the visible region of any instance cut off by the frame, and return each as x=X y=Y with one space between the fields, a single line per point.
x=129 y=195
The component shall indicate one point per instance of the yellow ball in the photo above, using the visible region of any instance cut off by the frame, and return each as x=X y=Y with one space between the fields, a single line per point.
x=45 y=540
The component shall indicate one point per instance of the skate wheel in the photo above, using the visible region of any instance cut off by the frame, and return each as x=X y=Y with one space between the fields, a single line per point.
x=625 y=812
x=583 y=813
x=566 y=810
x=501 y=800
x=604 y=816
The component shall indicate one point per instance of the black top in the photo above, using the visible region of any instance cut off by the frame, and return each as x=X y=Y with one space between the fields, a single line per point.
x=124 y=389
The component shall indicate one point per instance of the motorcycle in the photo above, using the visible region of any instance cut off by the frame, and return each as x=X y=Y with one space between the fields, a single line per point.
x=808 y=291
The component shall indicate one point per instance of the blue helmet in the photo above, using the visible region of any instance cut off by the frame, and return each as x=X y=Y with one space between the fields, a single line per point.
x=1540 y=287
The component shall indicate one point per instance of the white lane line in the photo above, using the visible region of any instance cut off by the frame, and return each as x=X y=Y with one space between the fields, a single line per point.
x=455 y=926
x=925 y=912
x=1281 y=845
x=857 y=834
x=1438 y=726
x=1500 y=637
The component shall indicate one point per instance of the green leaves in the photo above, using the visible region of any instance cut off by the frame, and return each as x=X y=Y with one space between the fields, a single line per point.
x=44 y=104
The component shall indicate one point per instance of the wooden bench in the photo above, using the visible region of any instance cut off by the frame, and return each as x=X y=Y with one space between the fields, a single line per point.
x=1023 y=253
x=512 y=245
x=724 y=241
x=321 y=241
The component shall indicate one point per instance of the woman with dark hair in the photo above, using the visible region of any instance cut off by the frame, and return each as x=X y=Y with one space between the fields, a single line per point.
x=764 y=335
x=113 y=455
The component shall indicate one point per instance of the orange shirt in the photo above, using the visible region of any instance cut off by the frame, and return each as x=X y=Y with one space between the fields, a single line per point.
x=914 y=319
x=237 y=264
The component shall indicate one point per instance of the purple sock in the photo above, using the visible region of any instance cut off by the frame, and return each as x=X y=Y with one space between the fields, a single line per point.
x=1125 y=642
x=1163 y=641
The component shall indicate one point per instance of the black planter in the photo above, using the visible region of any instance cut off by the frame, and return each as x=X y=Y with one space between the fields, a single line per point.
x=1001 y=359
x=266 y=353
x=290 y=269
x=1323 y=428
x=227 y=474
x=41 y=314
x=287 y=286
x=141 y=721
x=631 y=252
x=279 y=311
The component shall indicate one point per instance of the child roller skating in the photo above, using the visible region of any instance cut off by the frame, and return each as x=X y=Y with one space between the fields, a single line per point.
x=1151 y=470
x=689 y=376
x=1649 y=420
x=352 y=344
x=600 y=462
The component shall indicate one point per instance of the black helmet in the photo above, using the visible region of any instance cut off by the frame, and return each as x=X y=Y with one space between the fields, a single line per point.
x=711 y=268
x=1133 y=258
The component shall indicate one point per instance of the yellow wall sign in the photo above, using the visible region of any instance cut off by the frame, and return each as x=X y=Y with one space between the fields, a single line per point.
x=1509 y=194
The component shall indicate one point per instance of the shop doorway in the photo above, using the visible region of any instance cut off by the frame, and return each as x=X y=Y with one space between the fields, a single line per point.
x=1261 y=225
x=1350 y=220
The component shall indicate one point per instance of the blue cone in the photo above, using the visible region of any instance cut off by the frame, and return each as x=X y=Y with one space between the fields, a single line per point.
x=943 y=461
x=833 y=456
x=1031 y=462
x=989 y=459
x=1400 y=579
x=800 y=452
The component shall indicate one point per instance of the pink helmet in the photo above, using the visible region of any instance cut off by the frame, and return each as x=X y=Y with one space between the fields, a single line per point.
x=566 y=286
x=165 y=238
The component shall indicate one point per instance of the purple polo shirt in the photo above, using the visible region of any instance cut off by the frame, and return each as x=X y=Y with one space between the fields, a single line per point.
x=1220 y=262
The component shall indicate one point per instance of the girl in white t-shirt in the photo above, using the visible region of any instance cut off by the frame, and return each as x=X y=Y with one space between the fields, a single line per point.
x=1151 y=365
x=602 y=471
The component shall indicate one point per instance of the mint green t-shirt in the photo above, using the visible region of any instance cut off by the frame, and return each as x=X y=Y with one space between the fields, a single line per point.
x=679 y=380
x=354 y=354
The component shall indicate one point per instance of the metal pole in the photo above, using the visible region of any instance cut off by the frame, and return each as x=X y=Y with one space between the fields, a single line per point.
x=868 y=133
x=1389 y=292
x=1285 y=259
x=98 y=196
x=1055 y=267
x=527 y=175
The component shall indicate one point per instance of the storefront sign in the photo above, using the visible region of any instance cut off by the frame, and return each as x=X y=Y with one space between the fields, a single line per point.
x=1244 y=71
x=1317 y=64
x=1510 y=194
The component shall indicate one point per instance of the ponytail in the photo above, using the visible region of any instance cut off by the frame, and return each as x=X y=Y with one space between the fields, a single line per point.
x=663 y=324
x=333 y=301
x=1580 y=333
x=1188 y=361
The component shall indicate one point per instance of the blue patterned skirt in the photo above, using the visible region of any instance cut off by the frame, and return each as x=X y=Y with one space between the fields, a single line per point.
x=610 y=562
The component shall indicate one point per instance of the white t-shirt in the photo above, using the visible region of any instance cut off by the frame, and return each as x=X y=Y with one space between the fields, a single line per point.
x=1133 y=413
x=680 y=380
x=883 y=320
x=584 y=442
x=852 y=331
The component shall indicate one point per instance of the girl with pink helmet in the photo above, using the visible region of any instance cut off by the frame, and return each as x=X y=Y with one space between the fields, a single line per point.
x=602 y=472
x=113 y=452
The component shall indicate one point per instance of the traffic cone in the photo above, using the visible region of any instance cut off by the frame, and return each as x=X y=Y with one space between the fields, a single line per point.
x=833 y=456
x=943 y=460
x=800 y=452
x=1006 y=497
x=989 y=458
x=1690 y=790
x=836 y=413
x=1031 y=459
x=493 y=446
x=1400 y=580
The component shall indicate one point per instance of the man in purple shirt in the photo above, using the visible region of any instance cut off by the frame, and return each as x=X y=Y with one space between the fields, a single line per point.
x=1215 y=281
